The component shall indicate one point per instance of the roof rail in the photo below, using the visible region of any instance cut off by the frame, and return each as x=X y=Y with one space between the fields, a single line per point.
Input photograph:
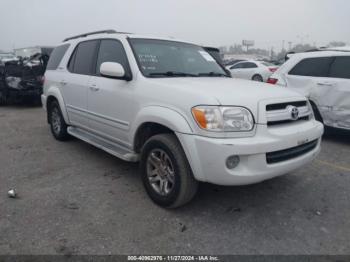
x=110 y=31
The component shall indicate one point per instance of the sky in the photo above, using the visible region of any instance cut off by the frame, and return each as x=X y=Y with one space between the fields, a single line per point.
x=25 y=23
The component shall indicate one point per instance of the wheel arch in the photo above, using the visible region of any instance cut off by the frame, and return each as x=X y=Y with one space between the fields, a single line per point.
x=156 y=120
x=54 y=94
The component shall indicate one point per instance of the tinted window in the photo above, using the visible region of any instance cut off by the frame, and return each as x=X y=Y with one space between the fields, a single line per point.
x=56 y=57
x=111 y=51
x=84 y=58
x=340 y=68
x=249 y=65
x=318 y=67
x=237 y=66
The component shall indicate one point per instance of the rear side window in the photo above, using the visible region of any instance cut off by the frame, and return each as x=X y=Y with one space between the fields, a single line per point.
x=317 y=67
x=83 y=59
x=249 y=65
x=111 y=51
x=56 y=57
x=238 y=66
x=340 y=67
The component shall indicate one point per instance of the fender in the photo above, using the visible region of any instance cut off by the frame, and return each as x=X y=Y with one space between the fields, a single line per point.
x=165 y=116
x=55 y=92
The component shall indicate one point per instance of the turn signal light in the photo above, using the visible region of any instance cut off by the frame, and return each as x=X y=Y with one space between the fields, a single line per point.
x=199 y=115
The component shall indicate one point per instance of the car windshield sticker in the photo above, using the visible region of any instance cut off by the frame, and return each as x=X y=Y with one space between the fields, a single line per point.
x=207 y=56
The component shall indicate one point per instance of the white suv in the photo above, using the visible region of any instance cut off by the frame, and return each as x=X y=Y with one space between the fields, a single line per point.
x=324 y=77
x=169 y=105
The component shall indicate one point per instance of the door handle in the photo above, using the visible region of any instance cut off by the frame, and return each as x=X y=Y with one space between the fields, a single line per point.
x=325 y=84
x=94 y=88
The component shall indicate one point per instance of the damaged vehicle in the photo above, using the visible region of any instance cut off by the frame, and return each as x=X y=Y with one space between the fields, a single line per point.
x=22 y=78
x=324 y=77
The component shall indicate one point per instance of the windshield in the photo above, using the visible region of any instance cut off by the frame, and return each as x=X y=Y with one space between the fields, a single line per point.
x=161 y=58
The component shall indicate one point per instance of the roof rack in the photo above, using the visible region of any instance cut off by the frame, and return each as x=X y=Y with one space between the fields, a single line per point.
x=110 y=31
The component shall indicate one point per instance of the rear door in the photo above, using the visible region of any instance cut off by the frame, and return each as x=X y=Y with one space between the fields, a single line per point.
x=76 y=83
x=237 y=70
x=338 y=97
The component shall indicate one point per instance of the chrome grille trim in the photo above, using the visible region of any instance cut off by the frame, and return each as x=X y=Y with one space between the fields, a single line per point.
x=285 y=115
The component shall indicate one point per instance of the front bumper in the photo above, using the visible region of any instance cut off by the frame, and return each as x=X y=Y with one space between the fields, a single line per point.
x=207 y=156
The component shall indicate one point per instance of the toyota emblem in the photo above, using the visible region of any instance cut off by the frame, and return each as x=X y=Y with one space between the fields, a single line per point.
x=294 y=112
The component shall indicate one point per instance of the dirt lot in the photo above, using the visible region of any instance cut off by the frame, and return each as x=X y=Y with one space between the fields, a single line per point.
x=76 y=199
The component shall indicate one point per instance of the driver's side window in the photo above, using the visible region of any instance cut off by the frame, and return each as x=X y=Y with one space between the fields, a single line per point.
x=111 y=51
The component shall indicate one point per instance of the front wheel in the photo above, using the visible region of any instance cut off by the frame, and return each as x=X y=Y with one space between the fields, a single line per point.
x=166 y=173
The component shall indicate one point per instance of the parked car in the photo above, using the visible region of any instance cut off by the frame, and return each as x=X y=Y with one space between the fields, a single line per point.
x=169 y=105
x=252 y=70
x=21 y=79
x=324 y=77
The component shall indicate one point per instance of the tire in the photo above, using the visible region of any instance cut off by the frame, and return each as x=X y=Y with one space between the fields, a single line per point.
x=57 y=123
x=257 y=78
x=163 y=159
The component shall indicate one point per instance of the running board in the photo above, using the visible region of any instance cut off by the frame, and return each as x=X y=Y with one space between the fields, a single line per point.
x=101 y=143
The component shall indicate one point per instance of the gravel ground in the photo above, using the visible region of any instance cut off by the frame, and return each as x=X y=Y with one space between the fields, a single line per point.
x=76 y=199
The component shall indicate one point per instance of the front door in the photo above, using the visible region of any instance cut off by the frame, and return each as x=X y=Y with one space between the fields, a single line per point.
x=110 y=101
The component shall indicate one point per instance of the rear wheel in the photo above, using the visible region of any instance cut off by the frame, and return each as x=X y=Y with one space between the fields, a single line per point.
x=258 y=78
x=166 y=173
x=57 y=123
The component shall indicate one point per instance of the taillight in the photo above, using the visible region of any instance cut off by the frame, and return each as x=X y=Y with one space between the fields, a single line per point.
x=272 y=69
x=272 y=81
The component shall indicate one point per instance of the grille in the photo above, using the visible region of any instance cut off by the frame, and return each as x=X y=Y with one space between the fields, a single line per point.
x=282 y=106
x=280 y=113
x=287 y=154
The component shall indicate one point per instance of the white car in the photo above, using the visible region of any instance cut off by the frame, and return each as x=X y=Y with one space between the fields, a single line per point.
x=252 y=70
x=169 y=105
x=324 y=77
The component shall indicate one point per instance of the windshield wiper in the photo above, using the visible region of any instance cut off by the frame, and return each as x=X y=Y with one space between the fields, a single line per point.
x=173 y=74
x=213 y=74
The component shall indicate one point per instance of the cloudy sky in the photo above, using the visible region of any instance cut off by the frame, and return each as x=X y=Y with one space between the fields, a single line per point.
x=208 y=22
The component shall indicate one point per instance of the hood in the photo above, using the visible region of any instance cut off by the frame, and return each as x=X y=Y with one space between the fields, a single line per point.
x=228 y=91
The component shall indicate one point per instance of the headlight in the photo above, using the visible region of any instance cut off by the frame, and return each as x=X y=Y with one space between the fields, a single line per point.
x=223 y=119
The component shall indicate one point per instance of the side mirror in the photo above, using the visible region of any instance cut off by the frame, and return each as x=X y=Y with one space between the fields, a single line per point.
x=112 y=70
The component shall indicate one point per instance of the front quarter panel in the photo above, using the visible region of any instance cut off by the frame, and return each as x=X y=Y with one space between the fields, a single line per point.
x=161 y=115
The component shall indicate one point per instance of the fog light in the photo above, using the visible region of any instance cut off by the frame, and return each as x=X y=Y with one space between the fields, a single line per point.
x=232 y=162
